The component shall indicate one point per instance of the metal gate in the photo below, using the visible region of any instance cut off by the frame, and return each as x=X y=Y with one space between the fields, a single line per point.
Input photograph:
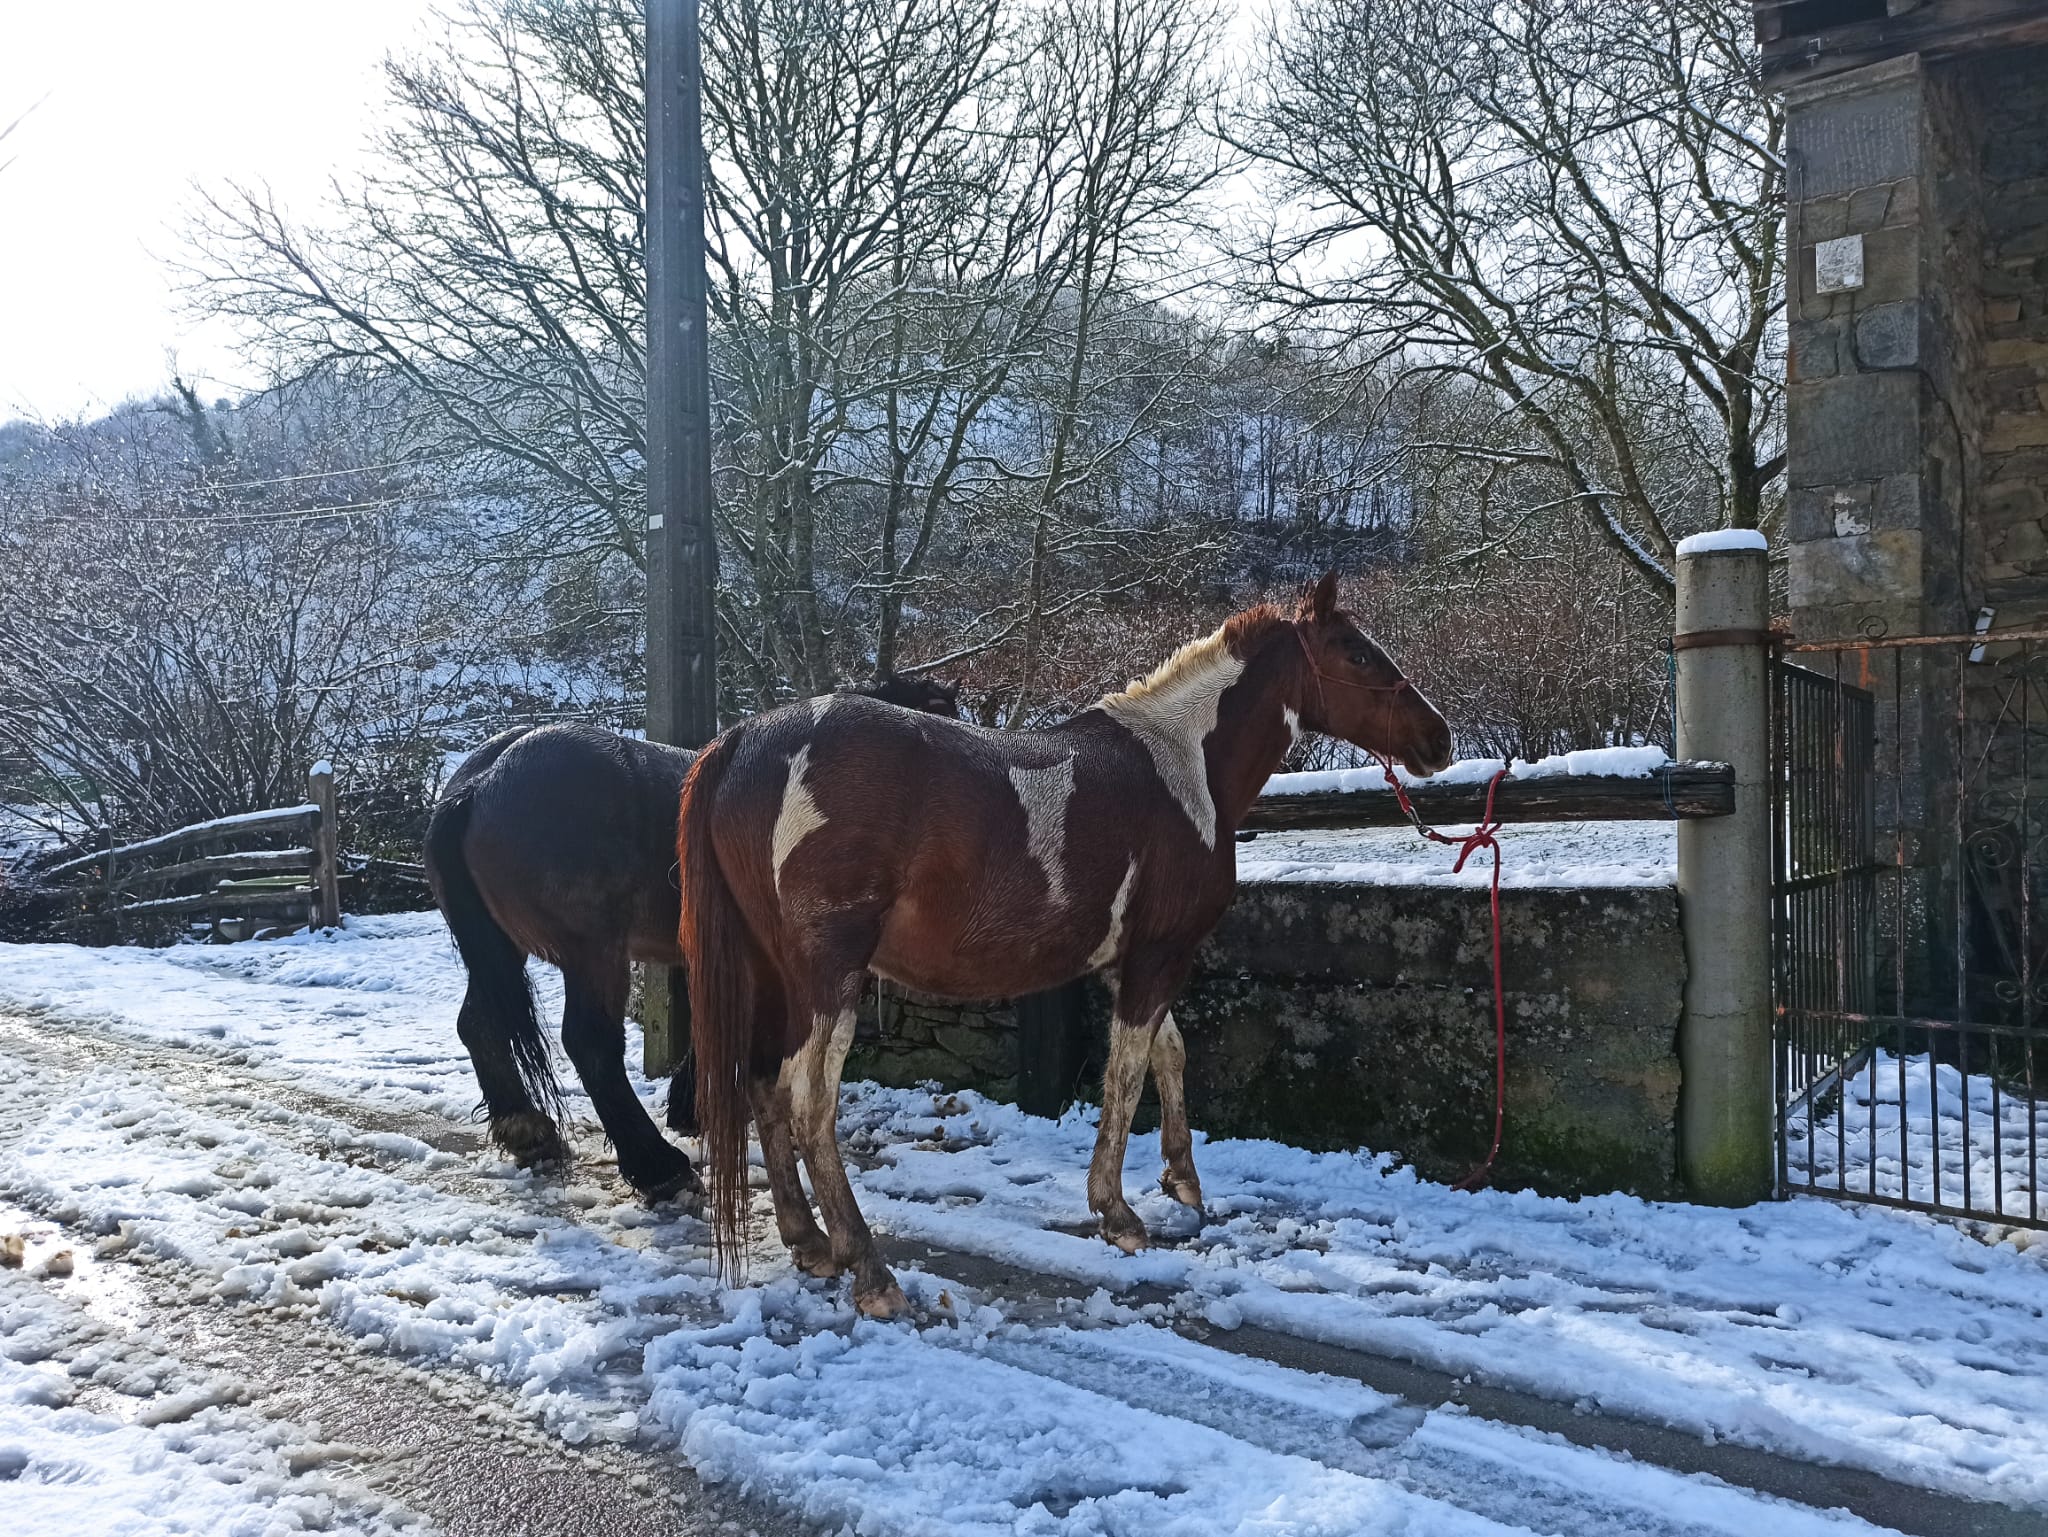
x=1910 y=982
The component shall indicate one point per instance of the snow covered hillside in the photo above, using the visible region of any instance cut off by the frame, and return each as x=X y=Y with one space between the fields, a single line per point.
x=286 y=1125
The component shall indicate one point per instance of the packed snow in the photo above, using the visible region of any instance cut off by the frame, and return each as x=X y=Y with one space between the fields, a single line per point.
x=1858 y=1336
x=182 y=1458
x=369 y=1010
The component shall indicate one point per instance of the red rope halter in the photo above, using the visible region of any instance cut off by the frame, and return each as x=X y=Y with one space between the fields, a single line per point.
x=1481 y=837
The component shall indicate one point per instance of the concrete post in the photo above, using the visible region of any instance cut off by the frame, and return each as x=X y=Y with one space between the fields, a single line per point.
x=1725 y=1106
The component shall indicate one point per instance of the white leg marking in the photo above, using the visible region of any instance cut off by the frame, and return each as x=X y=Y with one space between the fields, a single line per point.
x=1044 y=794
x=1106 y=951
x=811 y=1077
x=798 y=817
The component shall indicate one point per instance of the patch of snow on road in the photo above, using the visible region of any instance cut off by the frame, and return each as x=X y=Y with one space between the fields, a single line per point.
x=1863 y=1337
x=1868 y=1338
x=368 y=1010
x=184 y=1463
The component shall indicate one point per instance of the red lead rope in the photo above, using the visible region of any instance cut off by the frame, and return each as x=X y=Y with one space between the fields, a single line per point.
x=1481 y=837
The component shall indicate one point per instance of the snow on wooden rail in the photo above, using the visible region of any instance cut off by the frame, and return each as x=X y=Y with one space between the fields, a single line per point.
x=219 y=827
x=1621 y=784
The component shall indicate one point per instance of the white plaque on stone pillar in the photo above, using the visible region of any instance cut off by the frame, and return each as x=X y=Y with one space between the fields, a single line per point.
x=1838 y=265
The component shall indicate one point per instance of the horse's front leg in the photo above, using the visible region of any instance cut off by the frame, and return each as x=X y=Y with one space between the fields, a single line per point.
x=1176 y=1146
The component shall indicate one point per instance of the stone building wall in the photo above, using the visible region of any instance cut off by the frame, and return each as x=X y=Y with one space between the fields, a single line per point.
x=1346 y=1015
x=2011 y=551
x=1917 y=462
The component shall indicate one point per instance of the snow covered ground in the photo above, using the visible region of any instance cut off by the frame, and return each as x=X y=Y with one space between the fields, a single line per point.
x=1862 y=1337
x=370 y=1011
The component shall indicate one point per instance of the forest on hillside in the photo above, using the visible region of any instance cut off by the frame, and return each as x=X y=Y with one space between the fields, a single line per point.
x=1044 y=333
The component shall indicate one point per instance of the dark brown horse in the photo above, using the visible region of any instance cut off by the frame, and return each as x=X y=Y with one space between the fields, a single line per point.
x=823 y=841
x=558 y=842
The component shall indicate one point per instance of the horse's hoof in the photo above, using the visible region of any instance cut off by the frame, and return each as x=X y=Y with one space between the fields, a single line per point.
x=683 y=1182
x=1123 y=1229
x=530 y=1139
x=882 y=1303
x=1184 y=1188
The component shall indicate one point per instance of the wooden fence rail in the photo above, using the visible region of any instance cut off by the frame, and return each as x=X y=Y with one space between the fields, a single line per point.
x=1677 y=792
x=299 y=881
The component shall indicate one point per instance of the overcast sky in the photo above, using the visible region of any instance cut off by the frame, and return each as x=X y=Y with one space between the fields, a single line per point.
x=138 y=100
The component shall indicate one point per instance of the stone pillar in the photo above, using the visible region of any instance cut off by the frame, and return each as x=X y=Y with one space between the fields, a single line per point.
x=1884 y=235
x=1883 y=344
x=1725 y=1103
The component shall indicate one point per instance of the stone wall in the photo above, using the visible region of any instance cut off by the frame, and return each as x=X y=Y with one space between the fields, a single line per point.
x=1346 y=1015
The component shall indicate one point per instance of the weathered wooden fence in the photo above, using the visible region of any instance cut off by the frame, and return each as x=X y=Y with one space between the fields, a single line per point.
x=282 y=865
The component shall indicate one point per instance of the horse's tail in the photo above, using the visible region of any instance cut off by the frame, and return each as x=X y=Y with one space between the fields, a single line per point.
x=719 y=953
x=498 y=1015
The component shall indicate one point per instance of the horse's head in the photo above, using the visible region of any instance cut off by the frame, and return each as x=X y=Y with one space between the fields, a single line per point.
x=1353 y=690
x=926 y=694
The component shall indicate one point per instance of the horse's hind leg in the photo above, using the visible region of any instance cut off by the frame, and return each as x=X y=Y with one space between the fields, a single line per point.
x=517 y=1124
x=1169 y=1064
x=594 y=1036
x=812 y=1080
x=809 y=1250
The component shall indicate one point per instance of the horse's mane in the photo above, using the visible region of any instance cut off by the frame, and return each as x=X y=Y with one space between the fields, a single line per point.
x=1238 y=636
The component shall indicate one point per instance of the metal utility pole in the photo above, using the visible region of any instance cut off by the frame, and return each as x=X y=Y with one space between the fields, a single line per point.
x=682 y=550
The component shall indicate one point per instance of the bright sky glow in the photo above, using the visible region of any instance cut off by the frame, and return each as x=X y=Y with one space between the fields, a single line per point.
x=138 y=101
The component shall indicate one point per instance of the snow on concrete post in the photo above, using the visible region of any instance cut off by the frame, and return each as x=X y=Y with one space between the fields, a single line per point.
x=326 y=848
x=1725 y=1105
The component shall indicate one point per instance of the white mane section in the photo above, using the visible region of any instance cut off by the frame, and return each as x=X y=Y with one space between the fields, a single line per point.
x=1172 y=712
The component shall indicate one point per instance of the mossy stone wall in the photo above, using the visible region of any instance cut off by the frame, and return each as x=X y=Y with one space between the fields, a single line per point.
x=1346 y=1015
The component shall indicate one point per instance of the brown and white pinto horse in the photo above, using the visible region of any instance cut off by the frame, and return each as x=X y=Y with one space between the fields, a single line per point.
x=833 y=838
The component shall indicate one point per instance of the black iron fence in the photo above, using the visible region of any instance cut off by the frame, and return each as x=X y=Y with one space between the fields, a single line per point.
x=1908 y=963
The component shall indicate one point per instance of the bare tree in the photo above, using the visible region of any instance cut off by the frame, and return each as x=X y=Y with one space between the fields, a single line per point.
x=198 y=610
x=923 y=214
x=1572 y=204
x=843 y=140
x=493 y=259
x=1132 y=78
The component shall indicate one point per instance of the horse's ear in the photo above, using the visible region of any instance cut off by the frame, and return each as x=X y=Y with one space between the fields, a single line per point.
x=1320 y=602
